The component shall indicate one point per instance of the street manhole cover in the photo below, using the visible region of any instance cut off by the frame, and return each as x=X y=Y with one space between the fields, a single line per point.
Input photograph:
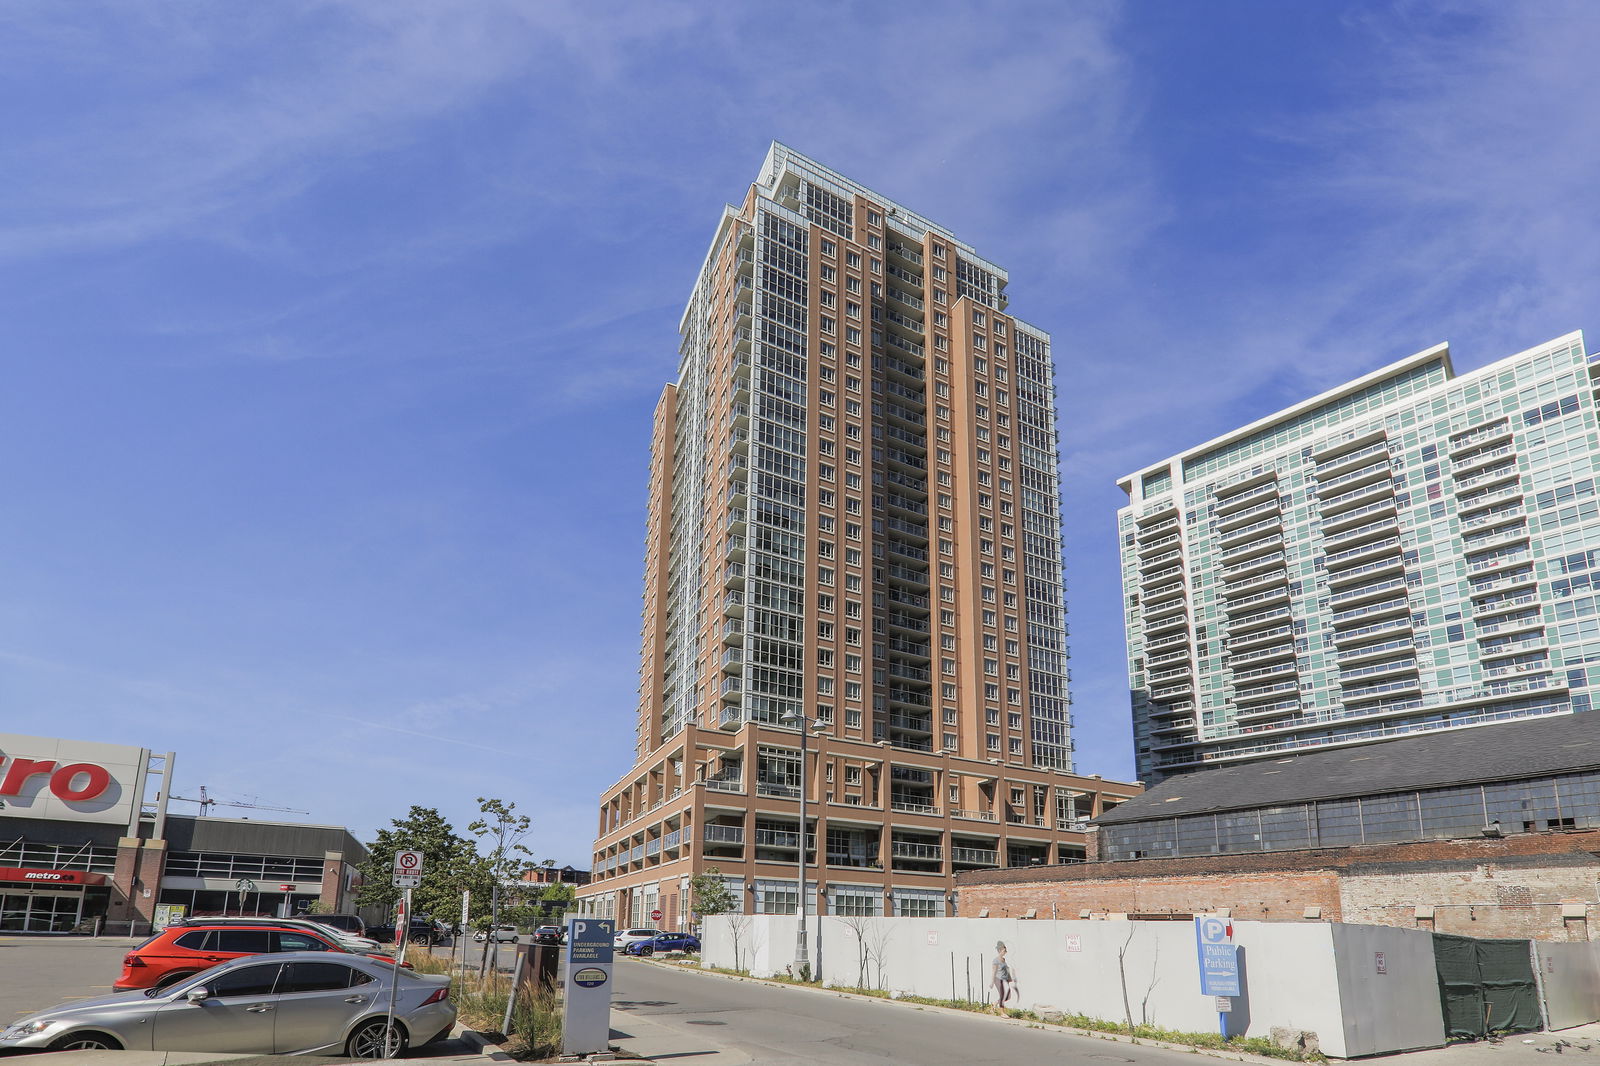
x=701 y=1021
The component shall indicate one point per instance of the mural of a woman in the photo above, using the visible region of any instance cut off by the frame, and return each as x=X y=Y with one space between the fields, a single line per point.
x=1003 y=976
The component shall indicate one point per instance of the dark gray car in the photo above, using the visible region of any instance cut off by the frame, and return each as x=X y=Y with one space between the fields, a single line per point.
x=295 y=1002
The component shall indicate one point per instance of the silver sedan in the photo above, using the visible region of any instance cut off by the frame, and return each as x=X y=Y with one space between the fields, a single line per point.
x=290 y=1003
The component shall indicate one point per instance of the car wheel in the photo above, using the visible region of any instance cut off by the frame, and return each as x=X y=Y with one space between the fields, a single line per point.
x=367 y=1042
x=647 y=951
x=168 y=980
x=85 y=1042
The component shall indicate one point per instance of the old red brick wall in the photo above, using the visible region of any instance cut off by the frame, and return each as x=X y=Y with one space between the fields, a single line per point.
x=1526 y=885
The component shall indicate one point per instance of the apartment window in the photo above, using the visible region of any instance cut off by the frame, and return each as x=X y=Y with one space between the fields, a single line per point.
x=825 y=549
x=824 y=686
x=1014 y=720
x=938 y=250
x=825 y=471
x=852 y=582
x=824 y=630
x=852 y=690
x=852 y=284
x=852 y=335
x=852 y=664
x=949 y=742
x=947 y=547
x=824 y=657
x=991 y=667
x=994 y=741
x=1014 y=697
x=852 y=635
x=948 y=666
x=978 y=318
x=852 y=309
x=991 y=715
x=990 y=642
x=825 y=497
x=825 y=298
x=1013 y=672
x=828 y=273
x=947 y=642
x=825 y=575
x=852 y=556
x=947 y=618
x=827 y=324
x=940 y=274
x=852 y=717
x=852 y=259
x=852 y=609
x=825 y=603
x=874 y=241
x=825 y=523
x=852 y=455
x=829 y=248
x=1016 y=745
x=949 y=693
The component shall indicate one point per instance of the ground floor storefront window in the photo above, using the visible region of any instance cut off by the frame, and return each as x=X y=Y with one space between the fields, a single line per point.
x=207 y=903
x=42 y=910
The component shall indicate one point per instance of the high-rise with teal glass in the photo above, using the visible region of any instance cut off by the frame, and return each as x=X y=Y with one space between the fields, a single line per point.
x=1414 y=550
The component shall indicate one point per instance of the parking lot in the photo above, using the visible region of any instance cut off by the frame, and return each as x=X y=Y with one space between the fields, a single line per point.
x=44 y=971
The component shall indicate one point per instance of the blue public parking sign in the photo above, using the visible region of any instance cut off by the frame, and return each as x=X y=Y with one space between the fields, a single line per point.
x=1219 y=957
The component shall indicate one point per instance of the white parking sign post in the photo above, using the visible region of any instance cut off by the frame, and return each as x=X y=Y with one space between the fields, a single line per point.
x=407 y=875
x=586 y=1017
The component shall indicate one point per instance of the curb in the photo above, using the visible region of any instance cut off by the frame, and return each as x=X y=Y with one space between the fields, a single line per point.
x=481 y=1045
x=1021 y=1023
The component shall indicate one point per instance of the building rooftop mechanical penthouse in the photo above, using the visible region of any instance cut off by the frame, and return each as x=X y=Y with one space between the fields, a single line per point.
x=853 y=519
x=1411 y=551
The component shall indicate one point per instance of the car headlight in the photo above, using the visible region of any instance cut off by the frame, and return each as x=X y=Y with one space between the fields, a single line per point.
x=23 y=1029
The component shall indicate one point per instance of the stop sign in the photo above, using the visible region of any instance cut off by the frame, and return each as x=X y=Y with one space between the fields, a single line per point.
x=655 y=916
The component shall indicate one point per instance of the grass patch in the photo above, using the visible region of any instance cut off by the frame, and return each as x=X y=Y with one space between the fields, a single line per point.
x=481 y=1005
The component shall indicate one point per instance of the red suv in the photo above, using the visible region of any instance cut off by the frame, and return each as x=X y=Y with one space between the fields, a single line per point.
x=185 y=950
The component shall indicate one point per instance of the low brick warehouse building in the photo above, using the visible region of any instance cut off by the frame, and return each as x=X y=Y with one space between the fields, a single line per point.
x=1493 y=831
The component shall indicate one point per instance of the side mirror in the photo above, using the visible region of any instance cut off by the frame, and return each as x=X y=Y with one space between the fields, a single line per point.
x=198 y=994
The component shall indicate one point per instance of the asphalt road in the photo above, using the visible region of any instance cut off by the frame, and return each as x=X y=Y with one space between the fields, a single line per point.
x=665 y=1014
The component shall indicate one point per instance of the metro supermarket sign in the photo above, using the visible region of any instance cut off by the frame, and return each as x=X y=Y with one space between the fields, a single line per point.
x=70 y=780
x=50 y=877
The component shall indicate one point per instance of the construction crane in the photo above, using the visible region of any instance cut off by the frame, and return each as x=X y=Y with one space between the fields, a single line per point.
x=207 y=802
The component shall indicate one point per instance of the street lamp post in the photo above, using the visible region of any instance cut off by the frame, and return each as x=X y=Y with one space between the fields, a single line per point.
x=802 y=956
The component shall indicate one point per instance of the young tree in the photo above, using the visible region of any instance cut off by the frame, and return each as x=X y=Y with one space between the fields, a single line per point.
x=708 y=893
x=503 y=830
x=452 y=863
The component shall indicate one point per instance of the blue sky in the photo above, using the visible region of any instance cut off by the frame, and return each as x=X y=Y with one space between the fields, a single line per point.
x=333 y=330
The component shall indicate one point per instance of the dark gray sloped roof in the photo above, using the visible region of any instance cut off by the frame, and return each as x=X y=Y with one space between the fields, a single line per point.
x=1500 y=752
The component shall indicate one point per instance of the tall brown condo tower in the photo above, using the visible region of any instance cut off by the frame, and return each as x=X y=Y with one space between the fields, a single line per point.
x=853 y=526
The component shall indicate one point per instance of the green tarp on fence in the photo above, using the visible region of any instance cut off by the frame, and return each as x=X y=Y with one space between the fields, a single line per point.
x=1486 y=985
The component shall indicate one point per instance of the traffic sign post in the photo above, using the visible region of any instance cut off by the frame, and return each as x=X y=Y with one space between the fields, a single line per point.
x=655 y=916
x=1219 y=963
